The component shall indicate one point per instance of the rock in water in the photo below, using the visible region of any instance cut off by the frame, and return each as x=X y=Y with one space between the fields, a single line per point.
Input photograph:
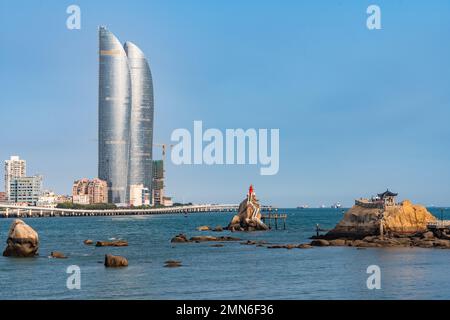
x=360 y=221
x=115 y=261
x=22 y=240
x=115 y=243
x=180 y=238
x=172 y=264
x=249 y=215
x=57 y=255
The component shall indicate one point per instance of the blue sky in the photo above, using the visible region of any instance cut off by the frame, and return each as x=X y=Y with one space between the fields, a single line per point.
x=358 y=110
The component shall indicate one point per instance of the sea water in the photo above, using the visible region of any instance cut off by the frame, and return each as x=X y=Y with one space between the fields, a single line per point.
x=234 y=271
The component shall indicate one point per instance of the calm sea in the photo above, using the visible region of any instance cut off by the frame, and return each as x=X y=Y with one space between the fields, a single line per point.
x=234 y=271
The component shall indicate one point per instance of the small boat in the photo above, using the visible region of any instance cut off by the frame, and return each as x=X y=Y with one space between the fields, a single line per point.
x=337 y=205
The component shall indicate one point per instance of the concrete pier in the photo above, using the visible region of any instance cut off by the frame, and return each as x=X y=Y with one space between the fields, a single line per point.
x=11 y=211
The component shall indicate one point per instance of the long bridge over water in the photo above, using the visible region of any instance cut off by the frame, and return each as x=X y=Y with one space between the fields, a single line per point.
x=11 y=211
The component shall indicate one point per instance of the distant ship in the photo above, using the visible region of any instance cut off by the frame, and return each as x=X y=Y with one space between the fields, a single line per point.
x=322 y=206
x=303 y=206
x=337 y=205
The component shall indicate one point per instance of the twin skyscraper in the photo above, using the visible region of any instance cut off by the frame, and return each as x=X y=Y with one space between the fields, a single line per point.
x=125 y=111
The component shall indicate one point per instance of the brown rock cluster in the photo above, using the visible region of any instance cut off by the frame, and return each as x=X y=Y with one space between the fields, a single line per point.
x=182 y=238
x=423 y=240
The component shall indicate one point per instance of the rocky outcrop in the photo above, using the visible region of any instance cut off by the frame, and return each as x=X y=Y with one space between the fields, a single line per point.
x=359 y=221
x=249 y=215
x=115 y=261
x=115 y=243
x=88 y=242
x=422 y=240
x=22 y=240
x=203 y=228
x=407 y=218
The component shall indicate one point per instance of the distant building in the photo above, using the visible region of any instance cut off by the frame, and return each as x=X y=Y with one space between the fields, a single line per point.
x=63 y=198
x=25 y=190
x=167 y=202
x=382 y=200
x=139 y=195
x=80 y=199
x=49 y=199
x=14 y=168
x=3 y=197
x=158 y=183
x=388 y=198
x=85 y=191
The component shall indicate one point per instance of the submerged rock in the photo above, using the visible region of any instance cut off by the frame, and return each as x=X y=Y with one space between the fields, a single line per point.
x=203 y=228
x=172 y=264
x=320 y=243
x=290 y=246
x=88 y=242
x=115 y=261
x=22 y=240
x=57 y=255
x=180 y=238
x=211 y=238
x=115 y=243
x=218 y=229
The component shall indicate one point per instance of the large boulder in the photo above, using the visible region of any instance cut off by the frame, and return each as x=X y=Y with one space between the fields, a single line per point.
x=22 y=240
x=249 y=215
x=360 y=221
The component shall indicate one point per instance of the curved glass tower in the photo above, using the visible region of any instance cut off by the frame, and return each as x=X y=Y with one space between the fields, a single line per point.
x=114 y=116
x=125 y=109
x=141 y=122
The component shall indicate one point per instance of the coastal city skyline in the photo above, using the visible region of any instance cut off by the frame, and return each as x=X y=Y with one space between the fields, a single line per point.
x=399 y=117
x=288 y=151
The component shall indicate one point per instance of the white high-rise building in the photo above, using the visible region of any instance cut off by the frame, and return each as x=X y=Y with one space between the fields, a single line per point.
x=14 y=168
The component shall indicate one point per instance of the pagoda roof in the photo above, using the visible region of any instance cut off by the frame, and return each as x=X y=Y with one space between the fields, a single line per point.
x=387 y=193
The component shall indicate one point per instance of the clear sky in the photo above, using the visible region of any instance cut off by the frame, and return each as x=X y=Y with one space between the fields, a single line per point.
x=358 y=110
